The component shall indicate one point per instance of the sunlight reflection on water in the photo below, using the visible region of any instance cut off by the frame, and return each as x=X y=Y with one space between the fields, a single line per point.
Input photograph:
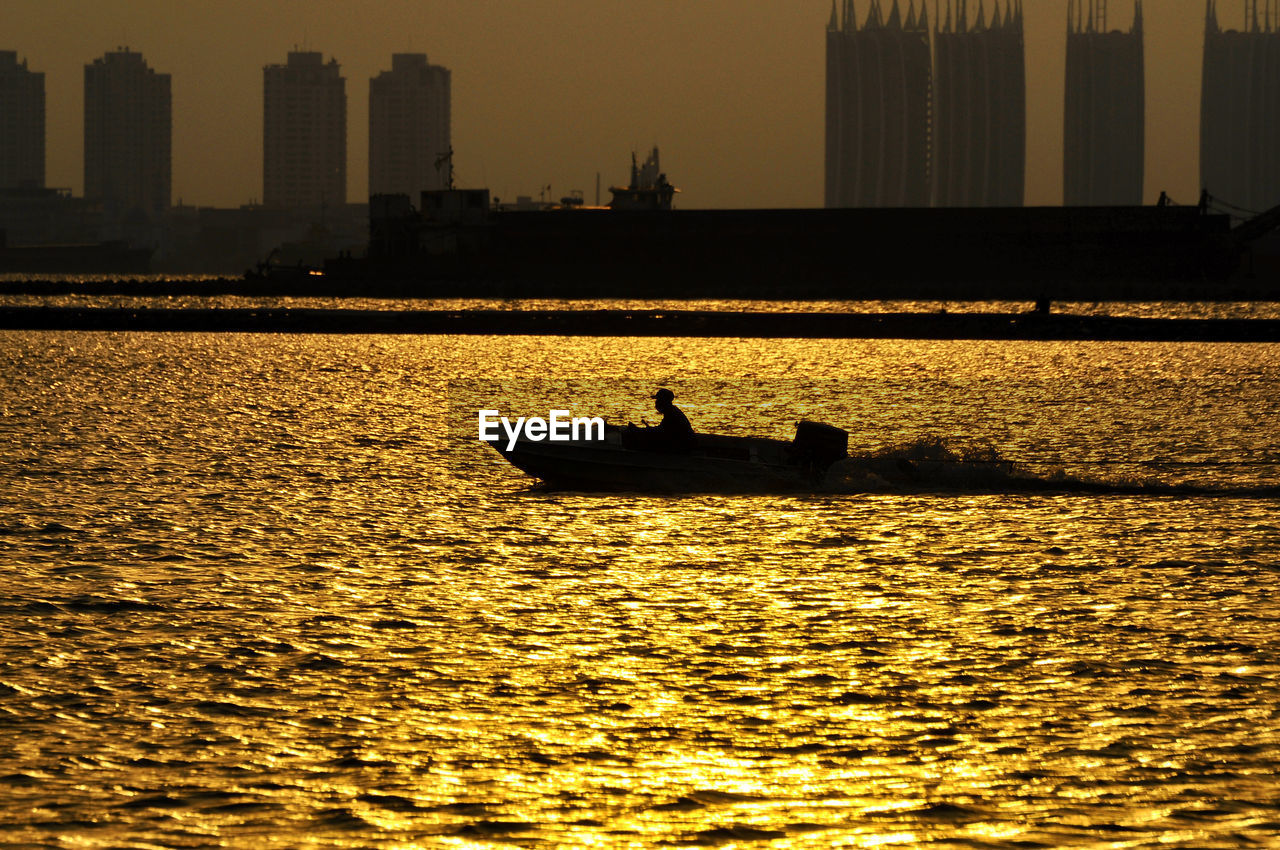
x=271 y=590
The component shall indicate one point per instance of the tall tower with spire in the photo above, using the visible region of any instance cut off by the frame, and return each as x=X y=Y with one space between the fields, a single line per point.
x=1104 y=126
x=1240 y=109
x=980 y=125
x=879 y=101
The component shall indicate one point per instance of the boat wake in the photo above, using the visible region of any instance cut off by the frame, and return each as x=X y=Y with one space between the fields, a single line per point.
x=936 y=464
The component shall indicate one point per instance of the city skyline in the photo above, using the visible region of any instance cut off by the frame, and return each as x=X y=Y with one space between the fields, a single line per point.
x=1105 y=132
x=128 y=131
x=552 y=93
x=980 y=114
x=304 y=136
x=878 y=110
x=1240 y=130
x=409 y=136
x=21 y=123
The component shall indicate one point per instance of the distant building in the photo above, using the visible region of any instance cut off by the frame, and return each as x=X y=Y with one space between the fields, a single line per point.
x=304 y=141
x=212 y=240
x=21 y=124
x=1240 y=111
x=1104 y=139
x=128 y=120
x=979 y=113
x=409 y=127
x=879 y=91
x=43 y=216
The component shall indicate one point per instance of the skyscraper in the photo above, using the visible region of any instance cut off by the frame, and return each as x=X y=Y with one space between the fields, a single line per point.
x=1240 y=110
x=409 y=126
x=21 y=124
x=879 y=92
x=979 y=114
x=304 y=143
x=128 y=121
x=1104 y=139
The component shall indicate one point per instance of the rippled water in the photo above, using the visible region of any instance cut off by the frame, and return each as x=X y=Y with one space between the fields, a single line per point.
x=270 y=591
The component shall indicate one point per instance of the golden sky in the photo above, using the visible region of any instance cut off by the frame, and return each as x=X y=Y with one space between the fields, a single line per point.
x=552 y=92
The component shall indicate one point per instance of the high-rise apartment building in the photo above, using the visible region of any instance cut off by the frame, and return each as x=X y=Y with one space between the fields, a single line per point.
x=879 y=101
x=409 y=127
x=1104 y=128
x=304 y=162
x=21 y=124
x=128 y=121
x=1240 y=110
x=979 y=114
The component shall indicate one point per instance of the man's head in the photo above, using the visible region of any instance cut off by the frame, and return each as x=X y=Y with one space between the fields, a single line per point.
x=663 y=399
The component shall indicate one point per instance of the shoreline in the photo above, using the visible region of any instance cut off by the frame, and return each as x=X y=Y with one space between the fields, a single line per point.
x=644 y=323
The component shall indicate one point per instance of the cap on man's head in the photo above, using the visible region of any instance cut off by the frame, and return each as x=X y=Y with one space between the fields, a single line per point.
x=664 y=393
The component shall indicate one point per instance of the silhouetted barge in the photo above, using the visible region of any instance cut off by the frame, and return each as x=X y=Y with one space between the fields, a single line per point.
x=457 y=243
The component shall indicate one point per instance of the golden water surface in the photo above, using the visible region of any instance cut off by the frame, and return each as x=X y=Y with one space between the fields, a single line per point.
x=271 y=591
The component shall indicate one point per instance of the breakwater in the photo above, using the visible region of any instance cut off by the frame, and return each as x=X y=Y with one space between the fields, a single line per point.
x=640 y=323
x=1238 y=288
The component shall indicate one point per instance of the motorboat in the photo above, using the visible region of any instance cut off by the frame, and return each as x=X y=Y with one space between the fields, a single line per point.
x=816 y=460
x=628 y=459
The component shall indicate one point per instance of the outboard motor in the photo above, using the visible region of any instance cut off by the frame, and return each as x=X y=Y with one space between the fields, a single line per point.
x=818 y=445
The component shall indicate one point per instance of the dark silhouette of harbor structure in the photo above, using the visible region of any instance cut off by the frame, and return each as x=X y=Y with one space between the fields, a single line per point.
x=457 y=243
x=879 y=108
x=1240 y=110
x=1104 y=144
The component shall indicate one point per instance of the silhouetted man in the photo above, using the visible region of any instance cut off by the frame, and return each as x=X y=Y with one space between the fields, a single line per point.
x=675 y=425
x=673 y=434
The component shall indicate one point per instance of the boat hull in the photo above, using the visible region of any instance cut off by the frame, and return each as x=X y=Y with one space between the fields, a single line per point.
x=721 y=464
x=715 y=464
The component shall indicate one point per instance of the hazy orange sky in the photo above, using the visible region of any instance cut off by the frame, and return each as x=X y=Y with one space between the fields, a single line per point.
x=552 y=92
